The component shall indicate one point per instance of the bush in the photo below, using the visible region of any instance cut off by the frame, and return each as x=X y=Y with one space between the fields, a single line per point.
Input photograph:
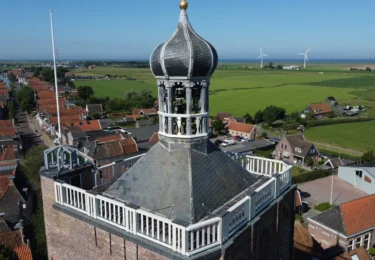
x=299 y=218
x=372 y=251
x=323 y=206
x=310 y=176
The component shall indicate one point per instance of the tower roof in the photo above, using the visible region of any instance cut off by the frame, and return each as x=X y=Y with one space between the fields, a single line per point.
x=182 y=183
x=185 y=54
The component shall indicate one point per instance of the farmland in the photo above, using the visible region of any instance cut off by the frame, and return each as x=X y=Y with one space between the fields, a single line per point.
x=247 y=90
x=356 y=136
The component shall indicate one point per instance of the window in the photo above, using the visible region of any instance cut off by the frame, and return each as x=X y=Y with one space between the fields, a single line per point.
x=350 y=247
x=285 y=146
x=358 y=242
x=366 y=241
x=282 y=146
x=298 y=150
x=358 y=174
x=312 y=150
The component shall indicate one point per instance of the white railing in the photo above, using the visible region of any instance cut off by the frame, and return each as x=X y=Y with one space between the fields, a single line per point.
x=186 y=240
x=111 y=172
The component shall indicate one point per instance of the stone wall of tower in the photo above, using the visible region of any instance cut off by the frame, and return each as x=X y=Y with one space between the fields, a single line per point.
x=70 y=238
x=271 y=237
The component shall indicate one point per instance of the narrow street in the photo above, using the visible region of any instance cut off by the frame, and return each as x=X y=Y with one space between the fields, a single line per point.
x=26 y=130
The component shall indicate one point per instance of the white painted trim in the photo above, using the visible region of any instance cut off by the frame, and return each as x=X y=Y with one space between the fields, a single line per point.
x=183 y=136
x=190 y=253
x=183 y=115
x=202 y=224
x=235 y=206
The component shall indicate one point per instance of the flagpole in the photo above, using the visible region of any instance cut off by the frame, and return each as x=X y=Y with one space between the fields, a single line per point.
x=55 y=72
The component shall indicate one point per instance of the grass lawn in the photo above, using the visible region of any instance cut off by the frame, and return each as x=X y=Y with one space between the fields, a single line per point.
x=116 y=88
x=356 y=136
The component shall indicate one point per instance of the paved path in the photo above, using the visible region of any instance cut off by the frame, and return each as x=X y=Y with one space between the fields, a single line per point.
x=319 y=191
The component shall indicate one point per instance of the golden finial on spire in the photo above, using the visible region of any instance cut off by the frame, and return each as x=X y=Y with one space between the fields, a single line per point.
x=184 y=4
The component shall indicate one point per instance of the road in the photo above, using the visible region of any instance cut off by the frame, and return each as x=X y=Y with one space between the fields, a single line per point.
x=25 y=128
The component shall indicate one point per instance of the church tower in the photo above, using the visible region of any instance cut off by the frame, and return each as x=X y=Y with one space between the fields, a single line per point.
x=183 y=199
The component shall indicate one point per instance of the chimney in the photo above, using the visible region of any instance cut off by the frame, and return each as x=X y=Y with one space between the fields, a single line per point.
x=21 y=231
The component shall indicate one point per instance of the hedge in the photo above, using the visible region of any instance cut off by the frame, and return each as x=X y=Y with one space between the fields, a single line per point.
x=313 y=123
x=323 y=206
x=299 y=218
x=310 y=176
x=341 y=155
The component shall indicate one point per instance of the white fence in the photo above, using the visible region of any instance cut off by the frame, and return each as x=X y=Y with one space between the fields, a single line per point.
x=188 y=240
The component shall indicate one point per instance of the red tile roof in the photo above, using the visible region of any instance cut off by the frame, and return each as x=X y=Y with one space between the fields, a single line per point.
x=145 y=111
x=154 y=138
x=23 y=252
x=240 y=127
x=320 y=108
x=65 y=120
x=134 y=116
x=46 y=94
x=360 y=252
x=90 y=125
x=9 y=154
x=304 y=242
x=11 y=239
x=7 y=131
x=6 y=124
x=355 y=214
x=4 y=92
x=109 y=138
x=3 y=85
x=51 y=101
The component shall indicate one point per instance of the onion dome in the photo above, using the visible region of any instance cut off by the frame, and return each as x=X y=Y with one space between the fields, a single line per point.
x=185 y=55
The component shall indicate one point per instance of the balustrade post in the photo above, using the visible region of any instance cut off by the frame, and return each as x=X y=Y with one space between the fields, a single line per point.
x=174 y=241
x=185 y=241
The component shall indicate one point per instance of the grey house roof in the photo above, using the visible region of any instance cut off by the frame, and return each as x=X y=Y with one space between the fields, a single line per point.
x=185 y=54
x=94 y=108
x=298 y=141
x=331 y=218
x=184 y=183
x=143 y=133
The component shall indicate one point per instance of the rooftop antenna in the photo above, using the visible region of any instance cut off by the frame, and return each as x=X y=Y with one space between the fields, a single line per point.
x=305 y=57
x=55 y=72
x=261 y=57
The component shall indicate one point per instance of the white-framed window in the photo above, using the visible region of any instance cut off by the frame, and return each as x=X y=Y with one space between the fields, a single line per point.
x=358 y=242
x=351 y=245
x=366 y=241
x=312 y=150
x=298 y=150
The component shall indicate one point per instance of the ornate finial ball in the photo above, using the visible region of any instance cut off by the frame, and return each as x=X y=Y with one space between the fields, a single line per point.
x=184 y=4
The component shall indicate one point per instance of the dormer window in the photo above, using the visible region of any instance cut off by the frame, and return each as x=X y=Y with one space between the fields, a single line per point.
x=298 y=150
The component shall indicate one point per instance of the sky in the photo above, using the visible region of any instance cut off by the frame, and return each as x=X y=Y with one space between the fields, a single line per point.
x=131 y=29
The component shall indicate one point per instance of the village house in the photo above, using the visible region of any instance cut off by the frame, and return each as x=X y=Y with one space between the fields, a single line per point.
x=143 y=123
x=295 y=149
x=105 y=150
x=145 y=112
x=349 y=225
x=361 y=176
x=317 y=110
x=92 y=109
x=242 y=129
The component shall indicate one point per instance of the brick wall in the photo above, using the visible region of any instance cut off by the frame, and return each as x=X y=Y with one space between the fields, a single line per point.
x=70 y=238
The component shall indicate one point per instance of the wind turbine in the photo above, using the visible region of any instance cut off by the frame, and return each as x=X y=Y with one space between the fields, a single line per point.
x=261 y=57
x=305 y=57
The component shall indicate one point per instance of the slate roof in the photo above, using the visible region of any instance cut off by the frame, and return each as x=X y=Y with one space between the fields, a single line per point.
x=144 y=123
x=78 y=134
x=94 y=108
x=143 y=133
x=184 y=183
x=9 y=203
x=335 y=162
x=331 y=219
x=298 y=141
x=106 y=122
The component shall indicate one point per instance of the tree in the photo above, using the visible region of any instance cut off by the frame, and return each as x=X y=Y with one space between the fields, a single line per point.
x=264 y=135
x=309 y=162
x=279 y=67
x=12 y=78
x=368 y=156
x=25 y=97
x=34 y=159
x=11 y=110
x=295 y=116
x=218 y=125
x=85 y=92
x=67 y=82
x=258 y=117
x=7 y=253
x=248 y=118
x=273 y=113
x=368 y=69
x=270 y=65
x=47 y=74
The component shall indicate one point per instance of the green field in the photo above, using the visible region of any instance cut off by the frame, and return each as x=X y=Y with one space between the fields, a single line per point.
x=239 y=90
x=356 y=136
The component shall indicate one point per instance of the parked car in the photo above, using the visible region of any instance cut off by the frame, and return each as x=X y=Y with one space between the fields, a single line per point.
x=218 y=142
x=245 y=140
x=236 y=137
x=228 y=142
x=240 y=138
